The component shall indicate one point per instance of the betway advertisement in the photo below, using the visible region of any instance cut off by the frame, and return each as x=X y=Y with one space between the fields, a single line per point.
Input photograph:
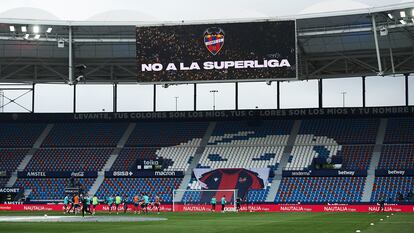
x=222 y=51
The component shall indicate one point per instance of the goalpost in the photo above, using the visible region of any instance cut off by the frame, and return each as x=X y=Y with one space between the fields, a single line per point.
x=200 y=200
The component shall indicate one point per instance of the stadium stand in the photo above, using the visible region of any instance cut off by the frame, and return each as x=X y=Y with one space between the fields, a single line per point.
x=85 y=135
x=397 y=157
x=320 y=189
x=302 y=156
x=161 y=187
x=3 y=182
x=399 y=130
x=241 y=157
x=251 y=133
x=160 y=134
x=233 y=144
x=128 y=156
x=239 y=144
x=69 y=159
x=356 y=157
x=11 y=158
x=343 y=131
x=389 y=187
x=176 y=158
x=49 y=188
x=14 y=135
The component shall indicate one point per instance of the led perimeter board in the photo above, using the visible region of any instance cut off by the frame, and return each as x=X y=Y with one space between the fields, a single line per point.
x=249 y=51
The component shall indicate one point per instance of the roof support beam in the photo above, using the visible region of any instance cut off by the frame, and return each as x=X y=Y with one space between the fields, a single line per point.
x=15 y=72
x=374 y=29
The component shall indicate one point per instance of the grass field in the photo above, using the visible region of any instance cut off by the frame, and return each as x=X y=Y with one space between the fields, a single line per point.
x=229 y=223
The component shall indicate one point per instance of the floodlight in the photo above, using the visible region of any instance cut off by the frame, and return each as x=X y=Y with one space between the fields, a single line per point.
x=402 y=14
x=390 y=16
x=12 y=29
x=37 y=36
x=403 y=21
x=36 y=29
x=24 y=29
x=49 y=30
x=26 y=36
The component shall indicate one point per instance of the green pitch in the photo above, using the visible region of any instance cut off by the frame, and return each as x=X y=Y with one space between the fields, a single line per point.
x=230 y=223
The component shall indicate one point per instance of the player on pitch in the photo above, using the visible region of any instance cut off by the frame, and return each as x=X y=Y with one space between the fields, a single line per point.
x=213 y=204
x=136 y=203
x=110 y=202
x=118 y=201
x=157 y=204
x=95 y=203
x=223 y=203
x=126 y=202
x=145 y=199
x=66 y=203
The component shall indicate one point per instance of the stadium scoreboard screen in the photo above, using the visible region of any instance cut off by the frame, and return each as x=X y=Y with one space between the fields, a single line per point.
x=217 y=52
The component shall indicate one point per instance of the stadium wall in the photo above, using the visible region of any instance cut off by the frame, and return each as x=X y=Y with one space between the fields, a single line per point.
x=369 y=112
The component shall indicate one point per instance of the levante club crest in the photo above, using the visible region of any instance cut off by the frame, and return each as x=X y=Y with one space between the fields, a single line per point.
x=214 y=39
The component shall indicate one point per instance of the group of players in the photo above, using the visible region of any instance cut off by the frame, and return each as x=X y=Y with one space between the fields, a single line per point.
x=223 y=201
x=80 y=203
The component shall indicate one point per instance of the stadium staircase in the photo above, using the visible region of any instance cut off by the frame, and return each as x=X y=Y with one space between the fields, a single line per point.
x=30 y=154
x=197 y=156
x=274 y=188
x=369 y=183
x=114 y=155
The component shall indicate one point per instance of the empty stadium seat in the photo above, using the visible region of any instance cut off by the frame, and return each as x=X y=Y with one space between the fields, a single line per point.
x=177 y=158
x=11 y=158
x=15 y=135
x=3 y=182
x=320 y=189
x=85 y=135
x=397 y=157
x=356 y=157
x=389 y=187
x=302 y=156
x=160 y=134
x=240 y=144
x=342 y=131
x=69 y=159
x=241 y=157
x=399 y=130
x=49 y=188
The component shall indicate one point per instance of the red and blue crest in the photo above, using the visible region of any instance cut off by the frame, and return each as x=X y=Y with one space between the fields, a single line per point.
x=214 y=40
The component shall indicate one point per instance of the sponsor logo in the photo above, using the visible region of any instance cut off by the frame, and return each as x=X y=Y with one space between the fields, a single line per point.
x=194 y=208
x=214 y=40
x=9 y=190
x=77 y=174
x=165 y=173
x=122 y=173
x=338 y=209
x=150 y=162
x=395 y=172
x=351 y=173
x=37 y=208
x=292 y=208
x=36 y=174
x=301 y=173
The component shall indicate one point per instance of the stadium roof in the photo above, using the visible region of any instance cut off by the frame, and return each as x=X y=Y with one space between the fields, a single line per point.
x=330 y=45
